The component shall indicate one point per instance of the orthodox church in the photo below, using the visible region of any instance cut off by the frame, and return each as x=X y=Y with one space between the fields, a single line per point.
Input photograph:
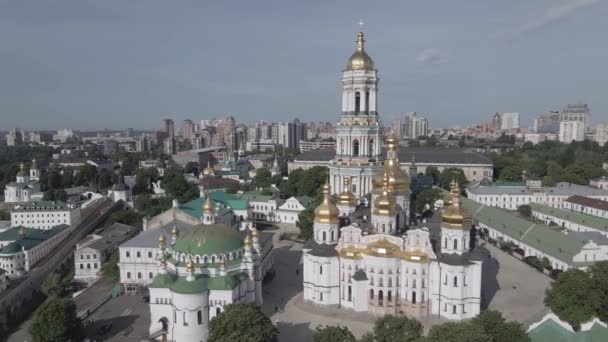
x=26 y=187
x=363 y=256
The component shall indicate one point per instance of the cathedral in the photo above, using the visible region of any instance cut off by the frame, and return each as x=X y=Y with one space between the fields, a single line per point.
x=364 y=255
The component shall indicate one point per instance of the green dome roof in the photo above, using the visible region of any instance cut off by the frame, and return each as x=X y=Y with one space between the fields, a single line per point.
x=209 y=239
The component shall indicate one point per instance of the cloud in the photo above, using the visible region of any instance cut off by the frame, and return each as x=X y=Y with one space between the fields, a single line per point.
x=430 y=56
x=549 y=17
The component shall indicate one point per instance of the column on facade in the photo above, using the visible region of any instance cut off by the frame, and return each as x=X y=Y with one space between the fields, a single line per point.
x=363 y=100
x=372 y=100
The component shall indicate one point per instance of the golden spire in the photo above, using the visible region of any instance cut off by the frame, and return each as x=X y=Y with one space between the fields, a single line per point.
x=326 y=212
x=208 y=205
x=347 y=197
x=254 y=232
x=161 y=240
x=247 y=241
x=360 y=60
x=398 y=180
x=22 y=166
x=209 y=169
x=454 y=215
x=174 y=232
x=190 y=265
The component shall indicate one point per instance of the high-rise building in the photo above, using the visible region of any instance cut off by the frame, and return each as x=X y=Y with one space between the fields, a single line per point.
x=188 y=130
x=414 y=126
x=290 y=134
x=142 y=144
x=547 y=123
x=14 y=137
x=509 y=121
x=168 y=128
x=576 y=112
x=496 y=122
x=571 y=130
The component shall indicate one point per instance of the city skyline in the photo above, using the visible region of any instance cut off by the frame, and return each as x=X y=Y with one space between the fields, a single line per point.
x=118 y=66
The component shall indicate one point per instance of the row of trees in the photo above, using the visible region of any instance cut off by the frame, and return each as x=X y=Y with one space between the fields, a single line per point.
x=577 y=296
x=551 y=161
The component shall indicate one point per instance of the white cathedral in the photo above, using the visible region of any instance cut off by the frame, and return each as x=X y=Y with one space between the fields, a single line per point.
x=375 y=263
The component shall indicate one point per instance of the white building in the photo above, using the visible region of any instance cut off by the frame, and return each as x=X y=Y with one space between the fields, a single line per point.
x=571 y=131
x=600 y=182
x=511 y=196
x=377 y=268
x=121 y=192
x=95 y=249
x=209 y=267
x=576 y=112
x=601 y=134
x=509 y=121
x=21 y=248
x=26 y=187
x=414 y=126
x=586 y=205
x=290 y=209
x=45 y=215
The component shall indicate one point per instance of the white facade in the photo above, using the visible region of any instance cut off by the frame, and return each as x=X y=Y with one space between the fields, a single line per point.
x=26 y=188
x=509 y=121
x=45 y=215
x=600 y=183
x=601 y=134
x=288 y=212
x=587 y=206
x=571 y=131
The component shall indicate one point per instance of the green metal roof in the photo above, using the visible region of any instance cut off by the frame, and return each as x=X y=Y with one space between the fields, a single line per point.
x=163 y=280
x=203 y=283
x=194 y=208
x=33 y=237
x=542 y=237
x=573 y=216
x=42 y=205
x=209 y=239
x=553 y=332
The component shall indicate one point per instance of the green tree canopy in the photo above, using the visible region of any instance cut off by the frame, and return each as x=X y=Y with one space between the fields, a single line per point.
x=457 y=332
x=242 y=322
x=262 y=178
x=433 y=172
x=498 y=329
x=599 y=283
x=56 y=320
x=392 y=328
x=305 y=223
x=511 y=173
x=525 y=211
x=332 y=334
x=572 y=297
x=427 y=196
x=53 y=286
x=452 y=173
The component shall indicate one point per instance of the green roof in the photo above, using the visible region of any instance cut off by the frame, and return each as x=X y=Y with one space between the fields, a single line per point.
x=33 y=237
x=163 y=280
x=194 y=208
x=539 y=236
x=42 y=205
x=552 y=331
x=572 y=216
x=203 y=283
x=209 y=239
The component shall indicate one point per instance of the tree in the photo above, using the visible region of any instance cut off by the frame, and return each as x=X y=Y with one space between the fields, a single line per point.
x=498 y=329
x=110 y=269
x=599 y=283
x=457 y=332
x=53 y=286
x=572 y=298
x=396 y=329
x=191 y=167
x=427 y=196
x=56 y=320
x=511 y=174
x=262 y=178
x=242 y=322
x=450 y=174
x=525 y=211
x=305 y=223
x=55 y=195
x=433 y=172
x=332 y=334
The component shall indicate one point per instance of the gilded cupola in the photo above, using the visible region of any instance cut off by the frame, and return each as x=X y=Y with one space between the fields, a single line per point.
x=385 y=203
x=208 y=207
x=209 y=170
x=360 y=60
x=398 y=180
x=326 y=212
x=454 y=215
x=347 y=197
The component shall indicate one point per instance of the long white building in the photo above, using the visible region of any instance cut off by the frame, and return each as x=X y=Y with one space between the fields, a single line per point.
x=45 y=214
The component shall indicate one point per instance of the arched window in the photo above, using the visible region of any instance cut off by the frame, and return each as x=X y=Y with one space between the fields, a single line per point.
x=324 y=236
x=332 y=235
x=413 y=297
x=355 y=148
x=455 y=243
x=357 y=102
x=366 y=109
x=371 y=294
x=370 y=148
x=445 y=242
x=390 y=296
x=455 y=281
x=218 y=311
x=380 y=297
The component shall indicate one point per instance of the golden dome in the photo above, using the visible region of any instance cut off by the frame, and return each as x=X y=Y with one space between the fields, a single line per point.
x=190 y=265
x=174 y=231
x=247 y=241
x=383 y=248
x=326 y=212
x=208 y=170
x=347 y=197
x=398 y=180
x=454 y=215
x=208 y=205
x=161 y=240
x=384 y=204
x=360 y=60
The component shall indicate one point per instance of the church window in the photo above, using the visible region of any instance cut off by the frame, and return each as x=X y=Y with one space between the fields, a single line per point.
x=350 y=293
x=389 y=297
x=184 y=318
x=150 y=275
x=200 y=317
x=464 y=280
x=455 y=243
x=390 y=282
x=218 y=311
x=371 y=294
x=370 y=148
x=453 y=309
x=455 y=281
x=445 y=242
x=366 y=101
x=355 y=148
x=332 y=235
x=380 y=297
x=320 y=269
x=422 y=296
x=324 y=236
x=320 y=296
x=357 y=102
x=413 y=297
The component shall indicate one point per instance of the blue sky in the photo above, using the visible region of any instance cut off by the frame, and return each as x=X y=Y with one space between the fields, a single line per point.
x=114 y=64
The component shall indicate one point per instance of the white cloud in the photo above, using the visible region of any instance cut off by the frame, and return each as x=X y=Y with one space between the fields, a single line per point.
x=549 y=17
x=430 y=56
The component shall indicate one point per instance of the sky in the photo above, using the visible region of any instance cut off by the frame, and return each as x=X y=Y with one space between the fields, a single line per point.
x=90 y=64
